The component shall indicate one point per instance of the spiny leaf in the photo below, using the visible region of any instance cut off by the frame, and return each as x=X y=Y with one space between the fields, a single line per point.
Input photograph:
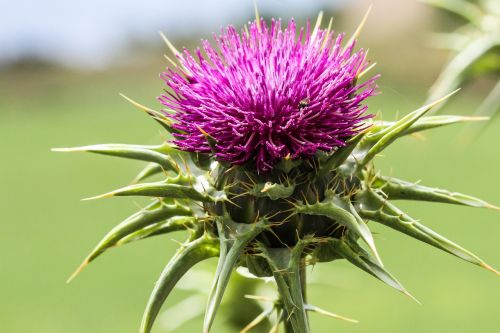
x=400 y=189
x=438 y=121
x=339 y=210
x=156 y=154
x=150 y=170
x=152 y=214
x=312 y=308
x=356 y=255
x=186 y=257
x=338 y=157
x=164 y=189
x=175 y=223
x=286 y=265
x=430 y=122
x=366 y=234
x=378 y=141
x=378 y=209
x=234 y=237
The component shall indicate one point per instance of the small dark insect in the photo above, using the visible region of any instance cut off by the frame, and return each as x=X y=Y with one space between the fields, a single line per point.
x=304 y=103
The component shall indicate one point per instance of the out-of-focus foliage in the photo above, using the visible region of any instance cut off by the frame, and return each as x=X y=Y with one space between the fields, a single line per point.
x=474 y=48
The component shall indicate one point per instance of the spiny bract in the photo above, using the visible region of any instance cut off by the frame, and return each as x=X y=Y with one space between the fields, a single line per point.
x=279 y=204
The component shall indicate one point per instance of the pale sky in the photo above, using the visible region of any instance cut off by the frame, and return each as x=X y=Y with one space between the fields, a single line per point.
x=88 y=33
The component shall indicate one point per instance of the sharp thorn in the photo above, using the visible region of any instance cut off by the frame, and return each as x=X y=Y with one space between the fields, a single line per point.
x=490 y=206
x=360 y=75
x=488 y=267
x=169 y=44
x=170 y=60
x=65 y=150
x=330 y=314
x=100 y=196
x=442 y=99
x=138 y=105
x=316 y=27
x=359 y=28
x=406 y=293
x=78 y=270
x=260 y=298
x=257 y=16
x=476 y=118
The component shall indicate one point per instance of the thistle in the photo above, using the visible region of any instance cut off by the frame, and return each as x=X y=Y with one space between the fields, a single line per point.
x=270 y=167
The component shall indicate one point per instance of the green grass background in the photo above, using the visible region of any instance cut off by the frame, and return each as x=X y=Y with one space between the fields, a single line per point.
x=46 y=230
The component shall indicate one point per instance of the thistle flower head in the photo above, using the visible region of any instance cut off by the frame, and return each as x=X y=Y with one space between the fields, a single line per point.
x=268 y=93
x=264 y=95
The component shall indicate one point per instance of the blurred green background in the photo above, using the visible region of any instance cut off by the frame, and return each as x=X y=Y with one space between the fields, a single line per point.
x=47 y=230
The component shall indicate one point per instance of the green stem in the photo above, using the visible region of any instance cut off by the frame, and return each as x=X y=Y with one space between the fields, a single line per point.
x=288 y=328
x=303 y=279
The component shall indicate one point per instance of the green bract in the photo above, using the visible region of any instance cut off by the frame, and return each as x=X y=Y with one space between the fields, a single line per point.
x=275 y=224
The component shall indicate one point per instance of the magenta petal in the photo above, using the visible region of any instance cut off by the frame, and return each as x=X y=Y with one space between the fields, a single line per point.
x=268 y=94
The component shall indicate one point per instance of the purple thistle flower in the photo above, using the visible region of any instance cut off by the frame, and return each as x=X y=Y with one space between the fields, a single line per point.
x=267 y=94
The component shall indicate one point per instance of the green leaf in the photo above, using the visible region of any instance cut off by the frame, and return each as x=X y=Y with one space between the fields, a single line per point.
x=156 y=154
x=374 y=207
x=234 y=237
x=150 y=170
x=342 y=212
x=186 y=257
x=375 y=143
x=338 y=157
x=400 y=189
x=176 y=223
x=150 y=215
x=429 y=122
x=357 y=256
x=170 y=188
